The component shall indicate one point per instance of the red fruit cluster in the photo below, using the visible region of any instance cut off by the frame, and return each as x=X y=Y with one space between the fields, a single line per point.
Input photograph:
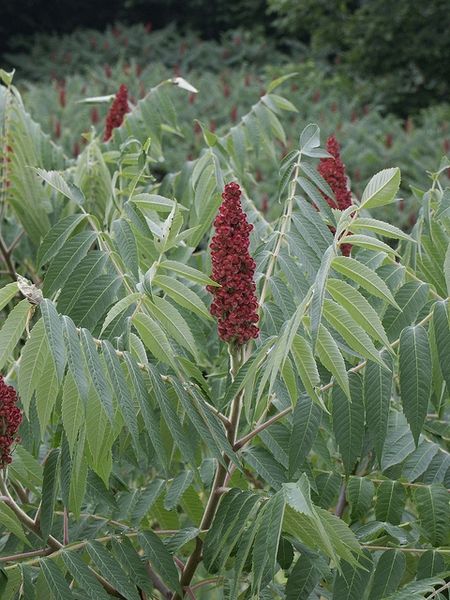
x=117 y=112
x=235 y=304
x=10 y=420
x=333 y=171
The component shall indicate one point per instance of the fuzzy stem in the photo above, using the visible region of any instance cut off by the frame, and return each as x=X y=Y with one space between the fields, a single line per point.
x=342 y=502
x=21 y=555
x=158 y=583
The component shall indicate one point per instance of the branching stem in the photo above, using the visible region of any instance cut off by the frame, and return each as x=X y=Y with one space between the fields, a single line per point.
x=236 y=358
x=249 y=436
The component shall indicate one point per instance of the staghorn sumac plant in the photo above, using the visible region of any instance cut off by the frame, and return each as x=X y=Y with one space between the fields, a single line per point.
x=294 y=449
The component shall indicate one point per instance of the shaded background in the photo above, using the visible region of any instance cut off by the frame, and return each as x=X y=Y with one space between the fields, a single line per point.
x=408 y=42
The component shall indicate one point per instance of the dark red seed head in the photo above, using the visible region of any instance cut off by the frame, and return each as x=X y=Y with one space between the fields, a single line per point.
x=235 y=304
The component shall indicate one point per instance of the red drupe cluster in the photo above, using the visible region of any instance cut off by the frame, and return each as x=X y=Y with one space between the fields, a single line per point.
x=333 y=171
x=235 y=304
x=10 y=420
x=117 y=112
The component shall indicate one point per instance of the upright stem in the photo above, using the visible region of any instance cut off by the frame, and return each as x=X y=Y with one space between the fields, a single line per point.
x=342 y=502
x=236 y=357
x=285 y=220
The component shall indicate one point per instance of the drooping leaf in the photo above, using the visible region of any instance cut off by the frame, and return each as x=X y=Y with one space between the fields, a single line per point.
x=7 y=293
x=360 y=492
x=49 y=491
x=415 y=376
x=399 y=442
x=265 y=465
x=122 y=392
x=360 y=309
x=153 y=337
x=306 y=421
x=55 y=580
x=266 y=541
x=11 y=523
x=177 y=488
x=351 y=582
x=306 y=367
x=348 y=421
x=303 y=579
x=132 y=562
x=388 y=574
x=72 y=410
x=83 y=576
x=441 y=324
x=57 y=236
x=319 y=292
x=430 y=563
x=433 y=509
x=330 y=356
x=160 y=559
x=30 y=371
x=97 y=373
x=111 y=570
x=54 y=331
x=353 y=334
x=364 y=276
x=66 y=260
x=12 y=330
x=390 y=503
x=182 y=294
x=377 y=395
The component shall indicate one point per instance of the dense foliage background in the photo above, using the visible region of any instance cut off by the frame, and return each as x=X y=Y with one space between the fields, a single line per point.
x=399 y=49
x=156 y=460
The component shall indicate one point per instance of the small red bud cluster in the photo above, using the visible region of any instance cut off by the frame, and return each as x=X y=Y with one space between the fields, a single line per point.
x=333 y=171
x=117 y=112
x=57 y=129
x=235 y=304
x=94 y=116
x=62 y=96
x=10 y=420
